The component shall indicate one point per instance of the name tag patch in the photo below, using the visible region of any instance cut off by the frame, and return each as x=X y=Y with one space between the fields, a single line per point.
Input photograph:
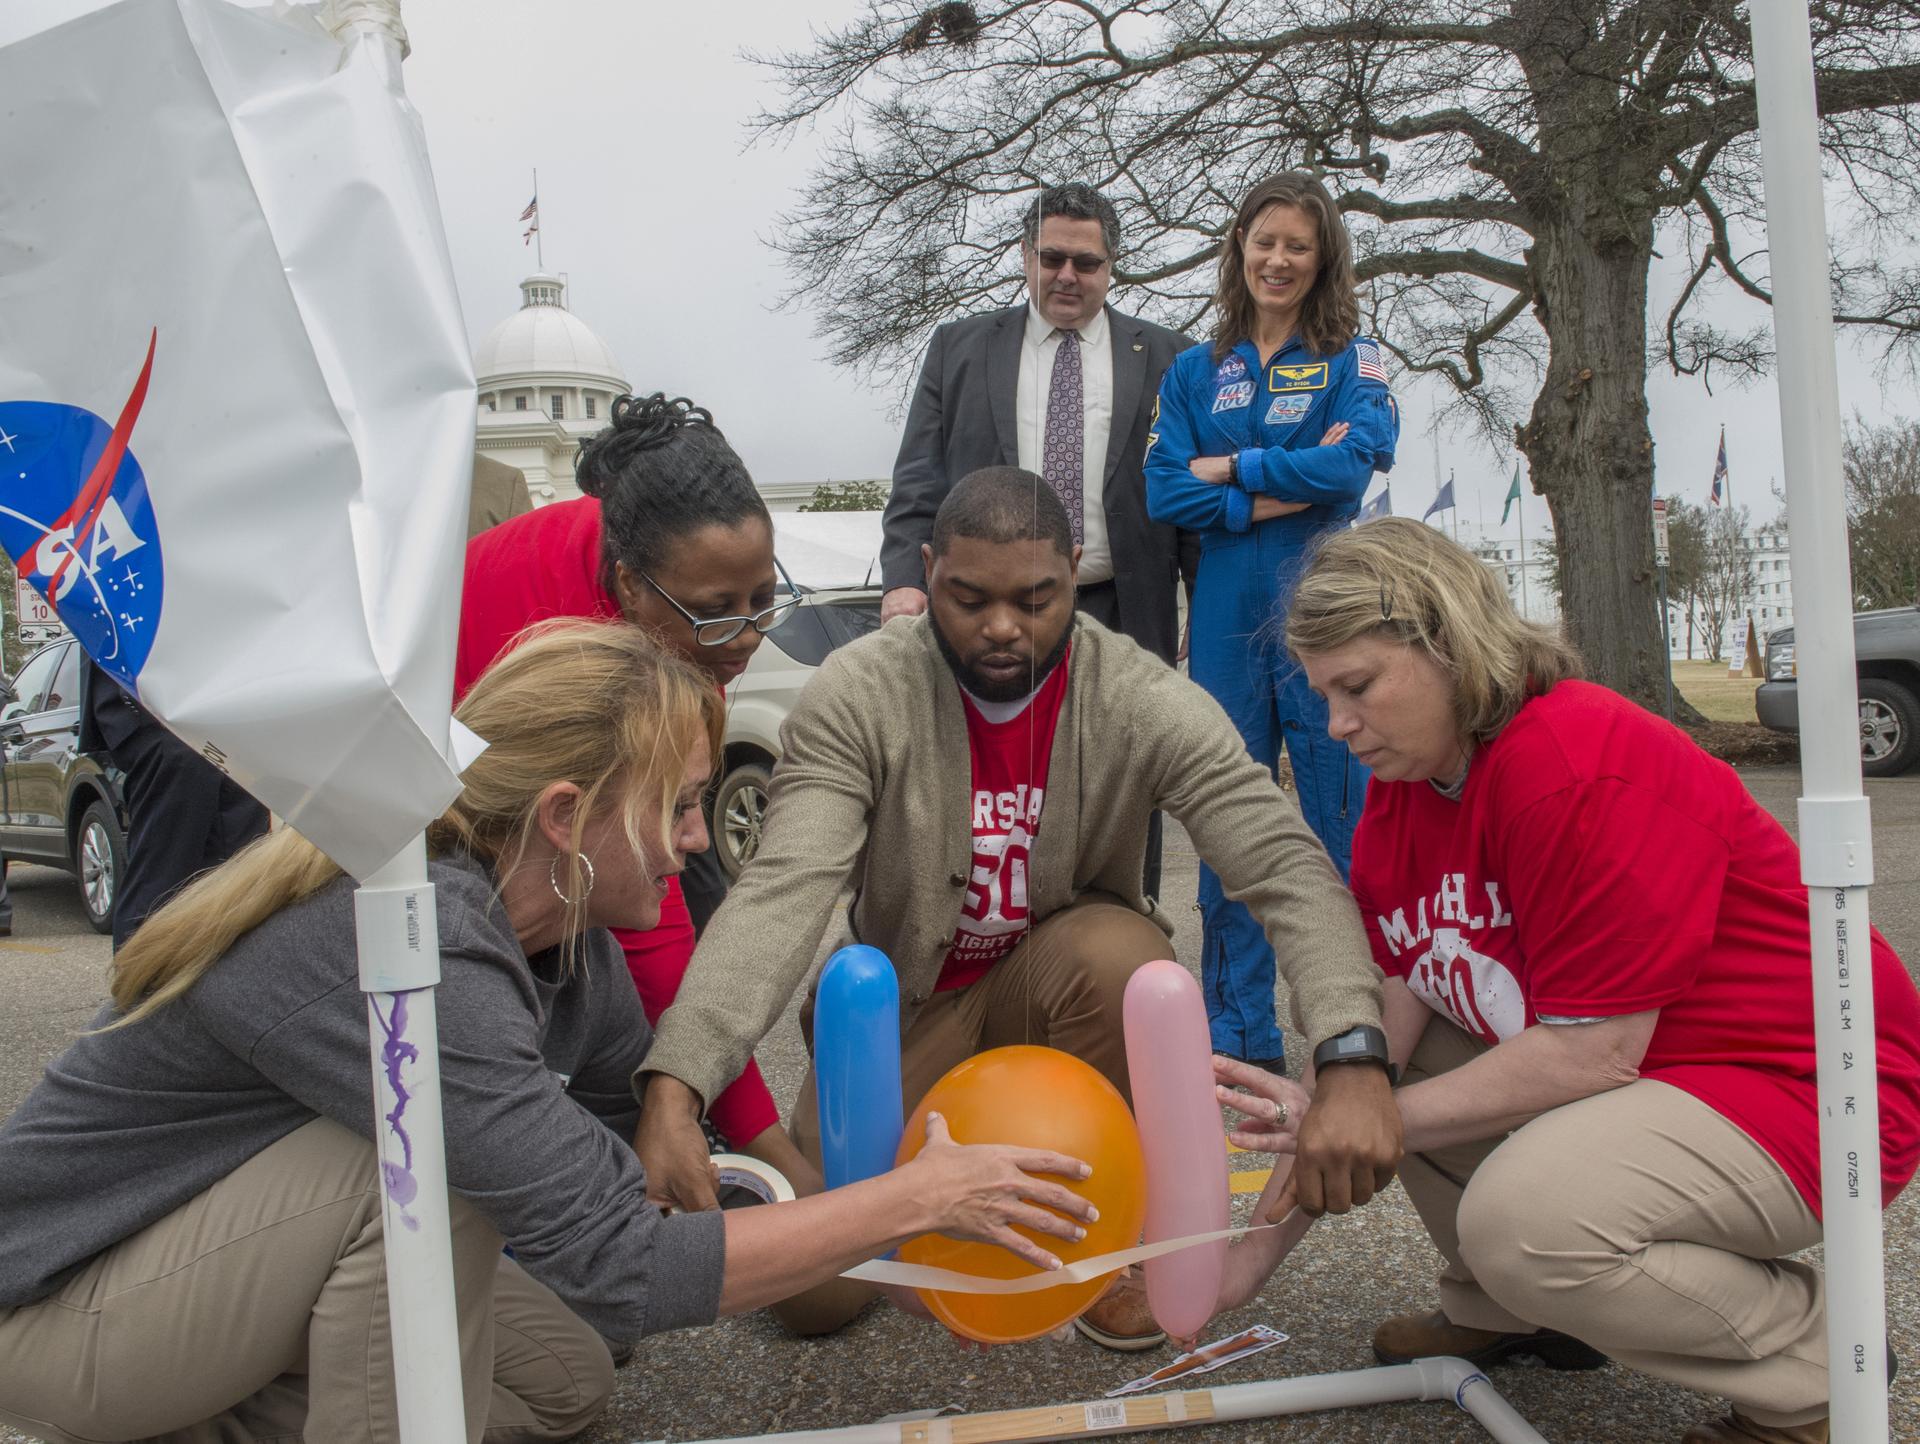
x=1312 y=377
x=1233 y=397
x=1289 y=410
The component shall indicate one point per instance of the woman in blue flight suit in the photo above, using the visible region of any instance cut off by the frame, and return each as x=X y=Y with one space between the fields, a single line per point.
x=1263 y=440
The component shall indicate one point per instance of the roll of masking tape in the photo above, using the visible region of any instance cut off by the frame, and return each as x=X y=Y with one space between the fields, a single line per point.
x=765 y=1182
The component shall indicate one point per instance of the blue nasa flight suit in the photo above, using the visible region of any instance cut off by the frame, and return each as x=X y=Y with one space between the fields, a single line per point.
x=1273 y=417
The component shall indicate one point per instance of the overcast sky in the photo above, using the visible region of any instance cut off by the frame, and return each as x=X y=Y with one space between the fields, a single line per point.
x=658 y=212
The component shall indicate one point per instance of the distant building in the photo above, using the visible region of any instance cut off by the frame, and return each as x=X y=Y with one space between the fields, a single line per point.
x=546 y=382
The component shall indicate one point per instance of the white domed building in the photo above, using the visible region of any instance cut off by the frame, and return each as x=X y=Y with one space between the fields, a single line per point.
x=546 y=383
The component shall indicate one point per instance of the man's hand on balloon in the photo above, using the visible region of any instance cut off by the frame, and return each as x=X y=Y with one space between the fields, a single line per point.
x=1272 y=1107
x=1349 y=1143
x=982 y=1190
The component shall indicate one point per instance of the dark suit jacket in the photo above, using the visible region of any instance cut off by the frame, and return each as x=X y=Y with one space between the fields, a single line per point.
x=963 y=418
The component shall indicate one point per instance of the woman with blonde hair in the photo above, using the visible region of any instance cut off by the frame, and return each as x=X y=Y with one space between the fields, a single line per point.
x=1264 y=439
x=1598 y=983
x=190 y=1197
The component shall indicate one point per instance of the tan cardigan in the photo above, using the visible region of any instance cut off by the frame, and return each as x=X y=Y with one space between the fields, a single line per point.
x=874 y=787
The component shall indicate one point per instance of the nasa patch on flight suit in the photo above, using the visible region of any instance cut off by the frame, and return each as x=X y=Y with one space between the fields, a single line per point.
x=1289 y=410
x=1311 y=376
x=1233 y=396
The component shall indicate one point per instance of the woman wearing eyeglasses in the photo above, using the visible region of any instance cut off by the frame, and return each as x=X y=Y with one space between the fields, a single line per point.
x=672 y=535
x=1266 y=438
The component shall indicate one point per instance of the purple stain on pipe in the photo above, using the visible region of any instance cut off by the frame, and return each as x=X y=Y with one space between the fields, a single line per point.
x=402 y=1187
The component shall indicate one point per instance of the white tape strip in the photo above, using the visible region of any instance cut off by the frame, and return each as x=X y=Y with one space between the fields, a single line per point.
x=948 y=1281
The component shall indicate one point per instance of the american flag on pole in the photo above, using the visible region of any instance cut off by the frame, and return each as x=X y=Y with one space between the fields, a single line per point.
x=1720 y=470
x=532 y=210
x=1368 y=362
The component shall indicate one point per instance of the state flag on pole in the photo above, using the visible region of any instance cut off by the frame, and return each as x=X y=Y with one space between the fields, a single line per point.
x=1720 y=471
x=1442 y=499
x=236 y=398
x=1381 y=505
x=1513 y=494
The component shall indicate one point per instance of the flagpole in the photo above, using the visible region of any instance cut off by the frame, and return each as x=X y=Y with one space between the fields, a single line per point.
x=1836 y=833
x=539 y=241
x=1522 y=508
x=397 y=936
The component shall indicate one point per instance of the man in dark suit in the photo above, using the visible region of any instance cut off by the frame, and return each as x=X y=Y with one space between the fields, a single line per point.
x=1063 y=386
x=1006 y=389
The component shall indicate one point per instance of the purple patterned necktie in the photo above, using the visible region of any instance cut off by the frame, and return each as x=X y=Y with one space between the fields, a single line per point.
x=1063 y=453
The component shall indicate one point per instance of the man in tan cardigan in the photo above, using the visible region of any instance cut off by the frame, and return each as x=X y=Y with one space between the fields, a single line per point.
x=982 y=776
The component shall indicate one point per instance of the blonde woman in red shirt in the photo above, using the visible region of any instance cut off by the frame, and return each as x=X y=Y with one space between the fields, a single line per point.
x=1596 y=955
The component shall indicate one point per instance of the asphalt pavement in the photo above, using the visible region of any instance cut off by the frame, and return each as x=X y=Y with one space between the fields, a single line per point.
x=744 y=1376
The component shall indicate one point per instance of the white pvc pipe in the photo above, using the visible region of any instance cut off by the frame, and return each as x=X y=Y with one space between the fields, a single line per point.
x=1431 y=1380
x=399 y=942
x=1836 y=839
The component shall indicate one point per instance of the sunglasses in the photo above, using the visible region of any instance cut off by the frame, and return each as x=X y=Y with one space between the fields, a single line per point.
x=718 y=631
x=1084 y=263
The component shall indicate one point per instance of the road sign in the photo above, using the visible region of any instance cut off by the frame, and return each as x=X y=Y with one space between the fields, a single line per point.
x=31 y=607
x=1660 y=550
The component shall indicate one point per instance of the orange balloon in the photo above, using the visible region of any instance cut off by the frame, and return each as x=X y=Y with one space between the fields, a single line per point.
x=1032 y=1098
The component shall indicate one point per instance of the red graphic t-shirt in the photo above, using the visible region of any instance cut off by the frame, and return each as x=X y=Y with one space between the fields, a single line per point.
x=1010 y=759
x=1598 y=863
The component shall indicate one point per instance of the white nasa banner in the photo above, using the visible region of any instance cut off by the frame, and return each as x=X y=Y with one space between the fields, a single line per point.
x=236 y=403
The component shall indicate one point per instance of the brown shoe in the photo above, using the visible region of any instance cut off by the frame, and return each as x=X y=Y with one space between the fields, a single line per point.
x=1120 y=1318
x=1737 y=1428
x=1408 y=1337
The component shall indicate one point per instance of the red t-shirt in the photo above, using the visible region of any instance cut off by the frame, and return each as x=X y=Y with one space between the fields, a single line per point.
x=536 y=567
x=1598 y=863
x=1009 y=760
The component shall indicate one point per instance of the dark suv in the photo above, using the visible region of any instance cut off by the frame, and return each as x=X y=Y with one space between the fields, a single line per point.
x=1886 y=647
x=58 y=805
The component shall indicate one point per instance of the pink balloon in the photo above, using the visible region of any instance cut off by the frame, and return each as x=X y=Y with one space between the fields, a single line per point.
x=1170 y=1063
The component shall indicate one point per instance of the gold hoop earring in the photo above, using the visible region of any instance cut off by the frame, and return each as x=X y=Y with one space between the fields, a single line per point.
x=553 y=879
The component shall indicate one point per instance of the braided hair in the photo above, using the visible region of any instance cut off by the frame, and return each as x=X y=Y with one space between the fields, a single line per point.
x=661 y=471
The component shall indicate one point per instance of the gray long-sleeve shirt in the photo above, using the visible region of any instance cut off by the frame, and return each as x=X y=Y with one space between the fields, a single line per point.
x=127 y=1126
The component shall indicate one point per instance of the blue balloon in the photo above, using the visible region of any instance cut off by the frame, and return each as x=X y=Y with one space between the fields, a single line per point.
x=856 y=1064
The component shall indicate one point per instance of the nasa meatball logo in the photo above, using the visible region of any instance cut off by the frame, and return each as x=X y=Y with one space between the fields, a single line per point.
x=75 y=517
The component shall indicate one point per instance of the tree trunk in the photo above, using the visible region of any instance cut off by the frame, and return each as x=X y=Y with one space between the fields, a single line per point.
x=1589 y=445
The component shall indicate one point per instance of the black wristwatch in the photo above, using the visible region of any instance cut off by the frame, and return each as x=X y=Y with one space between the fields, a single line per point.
x=1233 y=467
x=1364 y=1044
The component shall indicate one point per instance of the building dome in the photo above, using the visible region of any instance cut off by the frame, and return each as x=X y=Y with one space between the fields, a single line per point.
x=544 y=339
x=545 y=383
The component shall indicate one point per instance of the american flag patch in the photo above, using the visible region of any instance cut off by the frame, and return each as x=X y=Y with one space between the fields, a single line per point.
x=1367 y=362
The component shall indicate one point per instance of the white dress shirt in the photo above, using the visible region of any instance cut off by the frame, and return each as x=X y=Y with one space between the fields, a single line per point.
x=1037 y=350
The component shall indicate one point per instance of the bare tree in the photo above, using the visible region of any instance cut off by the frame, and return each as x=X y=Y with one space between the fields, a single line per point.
x=1686 y=568
x=1507 y=169
x=1881 y=465
x=1723 y=588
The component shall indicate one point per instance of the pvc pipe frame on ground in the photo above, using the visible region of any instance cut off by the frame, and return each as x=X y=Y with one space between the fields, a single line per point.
x=1429 y=1380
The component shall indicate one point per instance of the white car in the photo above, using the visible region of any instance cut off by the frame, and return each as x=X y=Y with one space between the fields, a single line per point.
x=831 y=560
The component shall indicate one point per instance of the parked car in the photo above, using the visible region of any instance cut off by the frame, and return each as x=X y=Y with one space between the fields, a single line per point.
x=58 y=805
x=1886 y=649
x=830 y=559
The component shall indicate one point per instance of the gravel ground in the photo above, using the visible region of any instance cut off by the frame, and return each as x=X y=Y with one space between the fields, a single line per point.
x=744 y=1376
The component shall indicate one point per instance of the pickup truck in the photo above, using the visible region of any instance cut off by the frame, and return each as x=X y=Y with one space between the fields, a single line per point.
x=1886 y=649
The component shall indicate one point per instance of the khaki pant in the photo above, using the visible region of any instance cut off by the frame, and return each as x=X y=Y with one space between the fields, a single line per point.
x=258 y=1311
x=1642 y=1223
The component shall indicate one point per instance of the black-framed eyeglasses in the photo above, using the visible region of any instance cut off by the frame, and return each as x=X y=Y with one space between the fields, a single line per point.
x=1085 y=262
x=718 y=631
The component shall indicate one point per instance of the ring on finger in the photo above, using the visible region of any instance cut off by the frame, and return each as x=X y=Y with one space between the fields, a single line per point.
x=1280 y=1112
